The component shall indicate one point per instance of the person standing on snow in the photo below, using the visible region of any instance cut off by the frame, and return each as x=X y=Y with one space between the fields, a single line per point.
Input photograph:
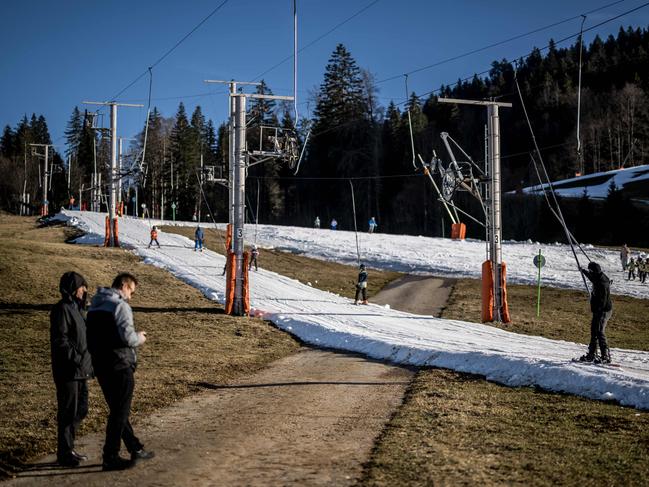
x=334 y=224
x=254 y=253
x=632 y=267
x=624 y=257
x=602 y=308
x=316 y=223
x=372 y=225
x=154 y=237
x=198 y=238
x=71 y=365
x=361 y=285
x=112 y=341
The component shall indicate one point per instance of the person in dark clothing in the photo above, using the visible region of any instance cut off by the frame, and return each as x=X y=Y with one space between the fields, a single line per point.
x=361 y=285
x=254 y=253
x=71 y=365
x=112 y=341
x=198 y=239
x=602 y=308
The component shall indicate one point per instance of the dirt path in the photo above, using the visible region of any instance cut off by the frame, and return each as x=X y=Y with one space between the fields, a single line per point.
x=416 y=294
x=308 y=419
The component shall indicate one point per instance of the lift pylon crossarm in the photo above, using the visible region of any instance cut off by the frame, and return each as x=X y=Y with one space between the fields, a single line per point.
x=484 y=103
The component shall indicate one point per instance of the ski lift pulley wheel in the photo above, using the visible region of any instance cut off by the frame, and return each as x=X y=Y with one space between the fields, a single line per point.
x=449 y=184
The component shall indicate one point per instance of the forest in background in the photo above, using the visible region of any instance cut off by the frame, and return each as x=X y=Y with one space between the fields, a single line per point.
x=353 y=136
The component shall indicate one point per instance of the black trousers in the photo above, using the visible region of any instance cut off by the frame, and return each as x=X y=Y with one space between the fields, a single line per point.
x=72 y=402
x=359 y=291
x=118 y=387
x=598 y=333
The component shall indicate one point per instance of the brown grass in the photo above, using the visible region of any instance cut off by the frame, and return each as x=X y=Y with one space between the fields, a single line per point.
x=190 y=339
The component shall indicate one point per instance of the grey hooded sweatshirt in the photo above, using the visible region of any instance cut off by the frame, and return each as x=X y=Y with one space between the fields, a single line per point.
x=112 y=338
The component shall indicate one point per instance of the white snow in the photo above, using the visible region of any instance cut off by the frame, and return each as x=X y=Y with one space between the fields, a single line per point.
x=596 y=184
x=328 y=320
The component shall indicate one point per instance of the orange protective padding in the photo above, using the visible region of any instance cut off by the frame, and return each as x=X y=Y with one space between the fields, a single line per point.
x=487 y=292
x=115 y=232
x=230 y=283
x=228 y=237
x=107 y=233
x=246 y=284
x=504 y=313
x=458 y=231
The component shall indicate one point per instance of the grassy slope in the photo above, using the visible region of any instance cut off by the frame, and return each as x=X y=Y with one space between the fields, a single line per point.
x=459 y=429
x=190 y=339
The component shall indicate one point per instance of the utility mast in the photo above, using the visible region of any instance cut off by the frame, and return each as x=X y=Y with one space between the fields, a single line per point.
x=46 y=174
x=240 y=159
x=494 y=303
x=111 y=241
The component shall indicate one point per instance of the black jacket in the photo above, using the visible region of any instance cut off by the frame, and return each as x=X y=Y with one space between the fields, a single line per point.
x=112 y=339
x=600 y=298
x=70 y=357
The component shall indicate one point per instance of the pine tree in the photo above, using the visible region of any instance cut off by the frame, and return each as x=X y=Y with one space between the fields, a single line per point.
x=74 y=132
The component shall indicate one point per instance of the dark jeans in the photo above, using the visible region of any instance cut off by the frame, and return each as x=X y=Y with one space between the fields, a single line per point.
x=198 y=243
x=253 y=261
x=117 y=387
x=360 y=290
x=72 y=401
x=154 y=240
x=598 y=333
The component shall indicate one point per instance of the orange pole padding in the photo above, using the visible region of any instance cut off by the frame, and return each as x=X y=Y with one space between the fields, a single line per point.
x=107 y=234
x=246 y=284
x=504 y=313
x=487 y=292
x=230 y=282
x=228 y=237
x=458 y=231
x=115 y=232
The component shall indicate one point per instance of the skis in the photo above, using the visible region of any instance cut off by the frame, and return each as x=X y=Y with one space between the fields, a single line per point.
x=596 y=362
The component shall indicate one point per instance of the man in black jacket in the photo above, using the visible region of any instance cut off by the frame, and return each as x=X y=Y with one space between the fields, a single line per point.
x=602 y=308
x=71 y=365
x=112 y=341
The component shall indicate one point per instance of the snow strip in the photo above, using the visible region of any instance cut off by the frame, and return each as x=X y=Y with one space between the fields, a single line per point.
x=328 y=320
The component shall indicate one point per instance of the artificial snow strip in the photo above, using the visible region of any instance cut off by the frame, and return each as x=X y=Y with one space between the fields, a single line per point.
x=328 y=320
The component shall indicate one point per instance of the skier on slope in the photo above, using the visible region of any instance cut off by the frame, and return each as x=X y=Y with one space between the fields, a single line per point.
x=316 y=222
x=334 y=224
x=602 y=308
x=198 y=239
x=254 y=253
x=361 y=285
x=632 y=267
x=372 y=225
x=624 y=257
x=154 y=237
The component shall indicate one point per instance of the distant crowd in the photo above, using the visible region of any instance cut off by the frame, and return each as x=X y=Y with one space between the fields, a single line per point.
x=638 y=265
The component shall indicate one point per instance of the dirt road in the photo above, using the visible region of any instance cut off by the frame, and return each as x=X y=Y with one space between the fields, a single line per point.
x=308 y=419
x=416 y=294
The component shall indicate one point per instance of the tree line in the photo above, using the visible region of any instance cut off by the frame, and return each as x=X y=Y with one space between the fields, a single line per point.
x=352 y=136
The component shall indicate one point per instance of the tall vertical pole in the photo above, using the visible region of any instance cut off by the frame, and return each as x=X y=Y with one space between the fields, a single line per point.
x=496 y=218
x=111 y=176
x=69 y=171
x=239 y=208
x=45 y=209
x=231 y=188
x=119 y=171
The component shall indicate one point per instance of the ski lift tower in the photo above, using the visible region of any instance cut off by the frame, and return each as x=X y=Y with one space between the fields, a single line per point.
x=111 y=240
x=240 y=159
x=494 y=300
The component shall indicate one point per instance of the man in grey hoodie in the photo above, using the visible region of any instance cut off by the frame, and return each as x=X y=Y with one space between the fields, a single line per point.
x=112 y=341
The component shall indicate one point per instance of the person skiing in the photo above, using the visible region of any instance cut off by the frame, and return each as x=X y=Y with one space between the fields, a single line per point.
x=316 y=223
x=632 y=267
x=194 y=218
x=254 y=253
x=198 y=239
x=71 y=365
x=154 y=237
x=644 y=265
x=624 y=257
x=372 y=225
x=361 y=285
x=334 y=224
x=602 y=308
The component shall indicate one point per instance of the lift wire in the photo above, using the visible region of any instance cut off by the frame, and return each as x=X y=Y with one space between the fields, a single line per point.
x=412 y=138
x=580 y=156
x=496 y=44
x=322 y=36
x=358 y=251
x=554 y=197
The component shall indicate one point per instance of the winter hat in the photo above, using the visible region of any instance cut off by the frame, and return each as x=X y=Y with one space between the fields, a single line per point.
x=594 y=267
x=70 y=282
x=362 y=267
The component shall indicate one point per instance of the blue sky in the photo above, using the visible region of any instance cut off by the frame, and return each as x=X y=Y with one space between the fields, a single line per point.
x=58 y=53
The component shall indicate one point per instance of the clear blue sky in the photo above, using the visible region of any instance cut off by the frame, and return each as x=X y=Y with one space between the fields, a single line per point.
x=58 y=53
